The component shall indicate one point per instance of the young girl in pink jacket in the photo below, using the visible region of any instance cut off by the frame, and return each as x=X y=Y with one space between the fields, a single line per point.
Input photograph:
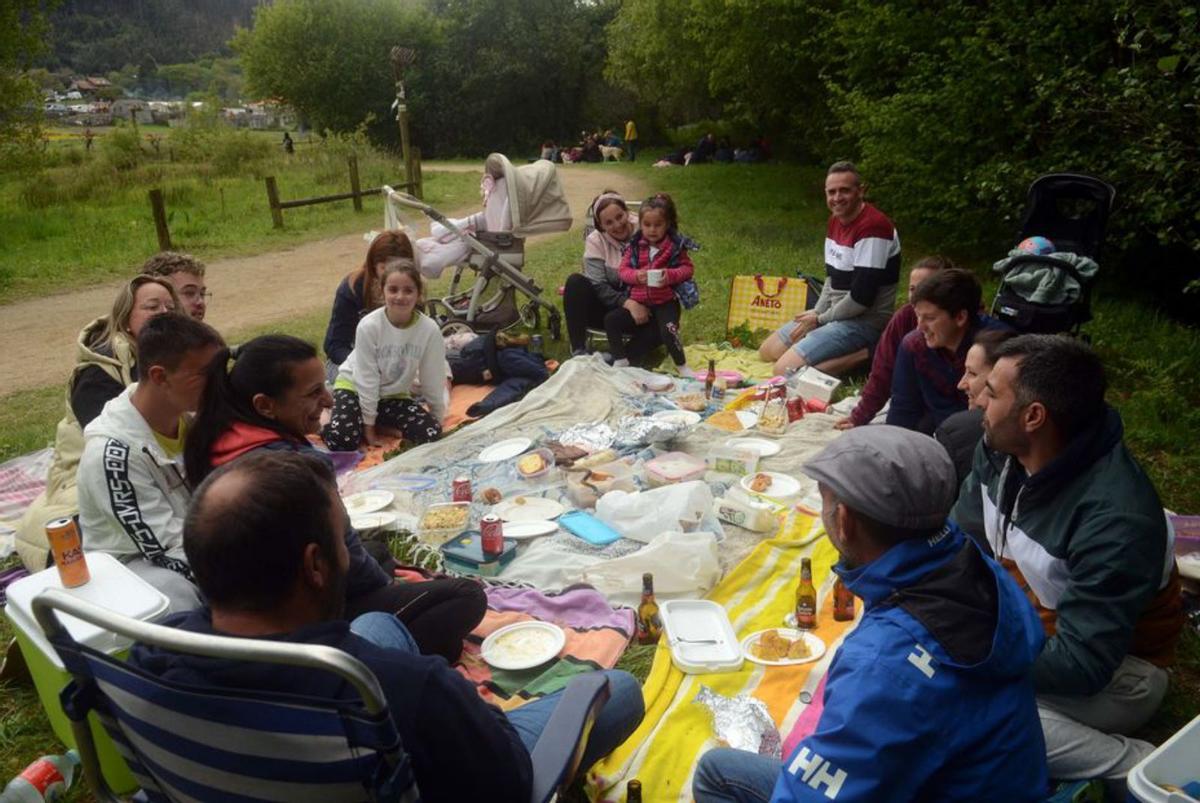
x=653 y=265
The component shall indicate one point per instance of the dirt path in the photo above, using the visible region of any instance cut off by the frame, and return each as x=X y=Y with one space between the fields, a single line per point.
x=39 y=335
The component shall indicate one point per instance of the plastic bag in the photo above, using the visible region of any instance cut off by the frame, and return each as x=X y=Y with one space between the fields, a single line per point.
x=642 y=516
x=684 y=565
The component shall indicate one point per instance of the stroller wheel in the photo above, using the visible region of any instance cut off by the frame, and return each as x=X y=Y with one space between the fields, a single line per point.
x=555 y=325
x=531 y=315
x=456 y=328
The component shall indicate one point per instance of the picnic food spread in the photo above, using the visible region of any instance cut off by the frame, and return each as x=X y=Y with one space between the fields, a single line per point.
x=531 y=464
x=445 y=517
x=760 y=483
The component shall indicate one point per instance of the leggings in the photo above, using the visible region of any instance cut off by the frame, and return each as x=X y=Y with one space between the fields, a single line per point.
x=438 y=613
x=345 y=429
x=585 y=309
x=664 y=317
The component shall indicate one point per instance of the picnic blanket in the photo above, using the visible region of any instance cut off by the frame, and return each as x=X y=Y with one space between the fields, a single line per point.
x=758 y=593
x=597 y=636
x=461 y=399
x=21 y=480
x=744 y=361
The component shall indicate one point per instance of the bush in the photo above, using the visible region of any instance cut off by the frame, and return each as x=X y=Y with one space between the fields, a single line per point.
x=122 y=149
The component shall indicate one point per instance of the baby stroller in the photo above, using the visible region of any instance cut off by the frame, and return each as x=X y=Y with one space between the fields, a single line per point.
x=1051 y=293
x=518 y=202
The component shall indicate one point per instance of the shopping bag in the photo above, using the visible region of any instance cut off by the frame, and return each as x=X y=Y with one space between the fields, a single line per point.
x=764 y=302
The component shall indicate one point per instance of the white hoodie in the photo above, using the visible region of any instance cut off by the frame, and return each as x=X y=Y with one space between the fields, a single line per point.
x=132 y=497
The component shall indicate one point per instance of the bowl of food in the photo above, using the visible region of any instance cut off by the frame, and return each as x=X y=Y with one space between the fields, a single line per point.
x=523 y=645
x=442 y=521
x=696 y=402
x=771 y=483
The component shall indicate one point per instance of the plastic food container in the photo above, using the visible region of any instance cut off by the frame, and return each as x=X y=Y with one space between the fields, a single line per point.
x=442 y=521
x=700 y=636
x=813 y=384
x=1176 y=762
x=547 y=458
x=585 y=487
x=673 y=467
x=114 y=587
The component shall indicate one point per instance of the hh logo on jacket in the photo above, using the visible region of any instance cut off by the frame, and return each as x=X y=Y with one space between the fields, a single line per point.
x=818 y=772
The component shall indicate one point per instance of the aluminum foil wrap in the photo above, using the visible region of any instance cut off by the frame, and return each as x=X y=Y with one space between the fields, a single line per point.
x=589 y=437
x=742 y=722
x=637 y=430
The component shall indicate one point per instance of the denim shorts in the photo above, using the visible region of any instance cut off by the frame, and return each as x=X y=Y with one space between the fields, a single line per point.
x=830 y=340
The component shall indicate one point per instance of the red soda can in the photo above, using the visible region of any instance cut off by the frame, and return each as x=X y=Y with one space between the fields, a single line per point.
x=815 y=406
x=795 y=408
x=461 y=489
x=491 y=530
x=67 y=548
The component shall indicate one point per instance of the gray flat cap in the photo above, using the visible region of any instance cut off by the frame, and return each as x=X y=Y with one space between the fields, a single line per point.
x=894 y=475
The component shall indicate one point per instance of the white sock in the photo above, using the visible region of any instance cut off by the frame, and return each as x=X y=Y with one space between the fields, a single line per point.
x=621 y=363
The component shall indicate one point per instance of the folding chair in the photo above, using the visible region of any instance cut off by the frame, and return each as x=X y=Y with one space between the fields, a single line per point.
x=184 y=742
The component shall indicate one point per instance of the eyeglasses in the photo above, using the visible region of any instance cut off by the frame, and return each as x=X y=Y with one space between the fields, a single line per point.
x=157 y=306
x=195 y=295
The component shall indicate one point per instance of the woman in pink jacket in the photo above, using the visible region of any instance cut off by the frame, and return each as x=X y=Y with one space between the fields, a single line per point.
x=653 y=265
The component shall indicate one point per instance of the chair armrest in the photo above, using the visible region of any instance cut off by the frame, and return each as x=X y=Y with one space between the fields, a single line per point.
x=559 y=748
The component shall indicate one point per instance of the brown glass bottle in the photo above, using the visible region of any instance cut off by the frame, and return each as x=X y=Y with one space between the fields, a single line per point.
x=710 y=379
x=843 y=602
x=806 y=597
x=649 y=623
x=633 y=791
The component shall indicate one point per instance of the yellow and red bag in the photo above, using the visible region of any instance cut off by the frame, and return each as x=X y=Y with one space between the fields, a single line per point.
x=765 y=302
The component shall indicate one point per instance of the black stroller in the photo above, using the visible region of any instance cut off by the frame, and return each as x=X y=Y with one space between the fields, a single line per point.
x=1072 y=211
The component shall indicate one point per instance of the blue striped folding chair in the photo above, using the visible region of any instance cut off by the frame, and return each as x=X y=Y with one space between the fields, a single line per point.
x=188 y=743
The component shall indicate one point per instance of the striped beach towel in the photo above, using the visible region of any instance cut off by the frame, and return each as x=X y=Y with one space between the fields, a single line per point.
x=758 y=593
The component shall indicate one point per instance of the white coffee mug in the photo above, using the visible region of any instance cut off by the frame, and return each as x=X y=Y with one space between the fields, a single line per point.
x=656 y=278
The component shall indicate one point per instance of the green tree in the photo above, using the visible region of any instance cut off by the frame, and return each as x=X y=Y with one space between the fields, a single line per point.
x=22 y=35
x=329 y=58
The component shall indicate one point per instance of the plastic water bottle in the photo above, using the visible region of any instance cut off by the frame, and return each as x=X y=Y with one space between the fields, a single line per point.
x=44 y=780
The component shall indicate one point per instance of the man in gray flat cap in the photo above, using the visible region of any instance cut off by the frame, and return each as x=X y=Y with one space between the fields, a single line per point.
x=930 y=697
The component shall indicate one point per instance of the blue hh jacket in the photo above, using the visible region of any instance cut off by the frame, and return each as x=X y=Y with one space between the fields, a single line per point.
x=930 y=697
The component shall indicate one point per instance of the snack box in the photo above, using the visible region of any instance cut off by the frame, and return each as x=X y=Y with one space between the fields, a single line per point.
x=429 y=533
x=700 y=636
x=1175 y=762
x=673 y=467
x=813 y=384
x=464 y=553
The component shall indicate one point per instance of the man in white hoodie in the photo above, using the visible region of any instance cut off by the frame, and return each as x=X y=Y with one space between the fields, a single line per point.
x=133 y=496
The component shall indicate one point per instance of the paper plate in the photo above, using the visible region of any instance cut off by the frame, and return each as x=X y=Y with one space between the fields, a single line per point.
x=406 y=482
x=760 y=446
x=504 y=450
x=747 y=418
x=816 y=647
x=781 y=487
x=523 y=645
x=532 y=508
x=686 y=417
x=373 y=521
x=523 y=530
x=367 y=502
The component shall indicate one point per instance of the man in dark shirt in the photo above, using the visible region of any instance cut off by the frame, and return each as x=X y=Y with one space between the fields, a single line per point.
x=265 y=540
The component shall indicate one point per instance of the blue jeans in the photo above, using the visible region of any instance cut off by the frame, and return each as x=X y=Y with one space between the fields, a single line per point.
x=832 y=339
x=619 y=717
x=725 y=775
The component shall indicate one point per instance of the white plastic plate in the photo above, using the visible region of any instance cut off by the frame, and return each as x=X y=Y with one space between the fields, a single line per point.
x=531 y=508
x=523 y=645
x=747 y=418
x=373 y=521
x=685 y=417
x=523 y=530
x=816 y=647
x=760 y=446
x=367 y=502
x=505 y=449
x=781 y=487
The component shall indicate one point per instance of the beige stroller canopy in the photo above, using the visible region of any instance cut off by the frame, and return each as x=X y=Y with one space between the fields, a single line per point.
x=536 y=199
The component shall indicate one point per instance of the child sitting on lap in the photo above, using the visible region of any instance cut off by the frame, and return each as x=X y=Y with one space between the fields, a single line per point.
x=653 y=265
x=393 y=346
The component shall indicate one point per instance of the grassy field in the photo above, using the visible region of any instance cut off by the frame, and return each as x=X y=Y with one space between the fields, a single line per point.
x=770 y=219
x=86 y=217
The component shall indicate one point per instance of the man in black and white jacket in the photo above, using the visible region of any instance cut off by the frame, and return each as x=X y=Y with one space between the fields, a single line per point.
x=133 y=496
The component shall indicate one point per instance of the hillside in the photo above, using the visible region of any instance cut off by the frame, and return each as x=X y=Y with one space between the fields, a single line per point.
x=98 y=36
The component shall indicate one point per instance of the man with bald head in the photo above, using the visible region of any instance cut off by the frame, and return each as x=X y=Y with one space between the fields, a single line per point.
x=266 y=541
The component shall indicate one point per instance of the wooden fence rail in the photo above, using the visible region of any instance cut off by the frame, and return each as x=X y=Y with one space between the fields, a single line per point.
x=356 y=194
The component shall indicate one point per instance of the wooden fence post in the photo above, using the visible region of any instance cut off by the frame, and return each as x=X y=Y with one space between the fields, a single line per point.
x=159 y=208
x=419 y=189
x=354 y=183
x=273 y=199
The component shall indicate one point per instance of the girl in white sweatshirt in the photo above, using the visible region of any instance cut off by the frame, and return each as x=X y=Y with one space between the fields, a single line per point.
x=394 y=346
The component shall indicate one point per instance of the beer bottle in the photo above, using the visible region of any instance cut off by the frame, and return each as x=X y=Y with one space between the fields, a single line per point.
x=710 y=379
x=649 y=623
x=806 y=597
x=843 y=602
x=633 y=791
